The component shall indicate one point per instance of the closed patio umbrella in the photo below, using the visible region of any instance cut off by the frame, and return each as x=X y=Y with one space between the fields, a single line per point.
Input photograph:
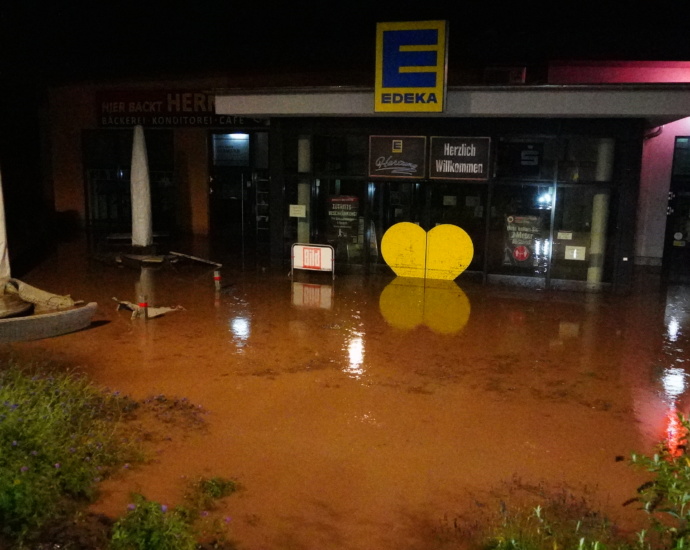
x=4 y=255
x=142 y=229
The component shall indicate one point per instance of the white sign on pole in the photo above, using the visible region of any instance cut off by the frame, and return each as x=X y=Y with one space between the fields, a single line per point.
x=313 y=257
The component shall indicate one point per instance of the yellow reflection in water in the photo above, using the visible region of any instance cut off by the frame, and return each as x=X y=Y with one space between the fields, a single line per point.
x=440 y=305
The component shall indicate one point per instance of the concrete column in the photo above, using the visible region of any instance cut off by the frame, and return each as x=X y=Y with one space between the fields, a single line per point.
x=304 y=187
x=604 y=168
x=597 y=247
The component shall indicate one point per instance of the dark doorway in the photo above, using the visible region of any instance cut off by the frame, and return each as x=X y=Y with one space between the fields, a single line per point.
x=238 y=192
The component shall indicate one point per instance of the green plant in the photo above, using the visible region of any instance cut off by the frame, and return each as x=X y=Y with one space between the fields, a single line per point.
x=666 y=499
x=538 y=530
x=201 y=497
x=58 y=438
x=203 y=492
x=148 y=525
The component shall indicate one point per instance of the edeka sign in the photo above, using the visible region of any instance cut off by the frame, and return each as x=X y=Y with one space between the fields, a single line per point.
x=151 y=108
x=411 y=66
x=459 y=158
x=397 y=157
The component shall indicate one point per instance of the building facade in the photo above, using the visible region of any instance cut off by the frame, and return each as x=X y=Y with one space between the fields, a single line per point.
x=559 y=185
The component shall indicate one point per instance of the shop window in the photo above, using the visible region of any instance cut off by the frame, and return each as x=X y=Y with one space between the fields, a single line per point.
x=519 y=235
x=345 y=155
x=580 y=228
x=107 y=159
x=569 y=159
x=527 y=158
x=586 y=159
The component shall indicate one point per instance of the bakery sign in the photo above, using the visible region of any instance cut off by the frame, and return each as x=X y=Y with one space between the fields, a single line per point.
x=459 y=158
x=397 y=157
x=171 y=108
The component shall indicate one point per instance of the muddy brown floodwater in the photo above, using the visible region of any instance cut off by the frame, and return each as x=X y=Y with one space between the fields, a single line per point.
x=369 y=412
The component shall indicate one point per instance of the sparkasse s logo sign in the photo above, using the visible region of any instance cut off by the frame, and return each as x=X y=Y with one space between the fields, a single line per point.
x=411 y=66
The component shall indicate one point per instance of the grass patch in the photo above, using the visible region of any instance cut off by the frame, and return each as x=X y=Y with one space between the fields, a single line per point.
x=149 y=525
x=58 y=439
x=60 y=436
x=664 y=499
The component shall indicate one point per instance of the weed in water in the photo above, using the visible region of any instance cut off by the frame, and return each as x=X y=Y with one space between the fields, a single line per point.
x=148 y=525
x=666 y=498
x=202 y=493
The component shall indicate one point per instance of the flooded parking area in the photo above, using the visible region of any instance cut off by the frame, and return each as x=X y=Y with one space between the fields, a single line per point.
x=369 y=411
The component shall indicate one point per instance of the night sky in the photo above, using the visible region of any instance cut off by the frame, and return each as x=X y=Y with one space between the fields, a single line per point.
x=66 y=40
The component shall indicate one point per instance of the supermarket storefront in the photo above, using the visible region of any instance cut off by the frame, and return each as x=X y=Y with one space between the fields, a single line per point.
x=546 y=202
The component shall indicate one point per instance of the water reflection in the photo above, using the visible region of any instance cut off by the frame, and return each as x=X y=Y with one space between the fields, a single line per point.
x=312 y=295
x=144 y=288
x=542 y=252
x=674 y=378
x=440 y=305
x=355 y=351
x=673 y=381
x=674 y=385
x=240 y=327
x=672 y=329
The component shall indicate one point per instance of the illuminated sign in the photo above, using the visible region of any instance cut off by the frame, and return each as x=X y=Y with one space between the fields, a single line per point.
x=410 y=66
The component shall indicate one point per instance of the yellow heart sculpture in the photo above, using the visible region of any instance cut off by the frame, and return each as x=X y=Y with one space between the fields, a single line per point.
x=442 y=253
x=440 y=305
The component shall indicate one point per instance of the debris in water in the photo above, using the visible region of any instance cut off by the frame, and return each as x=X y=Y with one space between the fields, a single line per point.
x=146 y=311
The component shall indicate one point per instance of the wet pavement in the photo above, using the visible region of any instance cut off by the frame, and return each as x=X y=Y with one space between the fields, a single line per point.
x=369 y=411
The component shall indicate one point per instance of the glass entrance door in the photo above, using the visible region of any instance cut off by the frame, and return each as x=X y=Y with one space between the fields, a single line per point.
x=465 y=206
x=394 y=202
x=676 y=261
x=239 y=192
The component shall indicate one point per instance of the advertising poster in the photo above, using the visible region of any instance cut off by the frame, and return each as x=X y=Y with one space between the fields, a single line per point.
x=523 y=243
x=343 y=218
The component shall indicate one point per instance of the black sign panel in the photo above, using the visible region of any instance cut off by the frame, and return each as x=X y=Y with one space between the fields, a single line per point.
x=397 y=157
x=459 y=158
x=520 y=160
